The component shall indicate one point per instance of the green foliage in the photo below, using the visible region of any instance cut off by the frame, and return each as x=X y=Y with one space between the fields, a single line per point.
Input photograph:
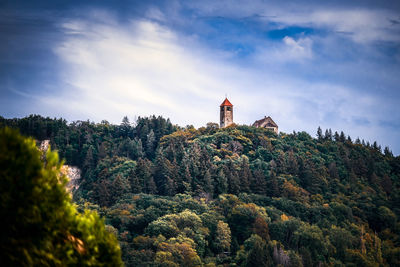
x=40 y=224
x=223 y=237
x=257 y=252
x=226 y=196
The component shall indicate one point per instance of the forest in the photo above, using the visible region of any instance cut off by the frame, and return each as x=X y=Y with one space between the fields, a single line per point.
x=236 y=196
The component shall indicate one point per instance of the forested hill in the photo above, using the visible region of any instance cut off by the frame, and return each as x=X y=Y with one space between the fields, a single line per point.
x=240 y=195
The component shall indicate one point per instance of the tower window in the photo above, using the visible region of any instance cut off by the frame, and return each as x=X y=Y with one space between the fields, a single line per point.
x=228 y=108
x=222 y=108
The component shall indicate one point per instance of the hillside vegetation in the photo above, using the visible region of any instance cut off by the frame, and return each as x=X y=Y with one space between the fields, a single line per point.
x=240 y=196
x=40 y=224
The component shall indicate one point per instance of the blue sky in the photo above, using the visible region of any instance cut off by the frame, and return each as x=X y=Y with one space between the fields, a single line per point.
x=304 y=63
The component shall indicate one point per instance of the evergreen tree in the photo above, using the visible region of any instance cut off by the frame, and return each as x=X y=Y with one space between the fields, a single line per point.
x=125 y=127
x=337 y=137
x=319 y=134
x=259 y=185
x=245 y=176
x=258 y=252
x=208 y=183
x=221 y=183
x=342 y=137
x=232 y=178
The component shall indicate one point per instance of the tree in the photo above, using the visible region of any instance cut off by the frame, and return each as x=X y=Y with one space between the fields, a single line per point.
x=258 y=254
x=320 y=136
x=150 y=144
x=328 y=135
x=125 y=127
x=258 y=185
x=221 y=183
x=260 y=227
x=341 y=240
x=387 y=152
x=207 y=183
x=293 y=167
x=89 y=159
x=232 y=177
x=245 y=175
x=336 y=136
x=41 y=225
x=342 y=137
x=223 y=238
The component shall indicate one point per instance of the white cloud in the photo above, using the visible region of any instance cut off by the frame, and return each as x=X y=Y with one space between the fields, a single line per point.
x=288 y=50
x=360 y=24
x=141 y=69
x=298 y=49
x=144 y=68
x=155 y=14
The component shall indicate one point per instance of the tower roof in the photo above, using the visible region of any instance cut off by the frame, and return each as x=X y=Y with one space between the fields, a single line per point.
x=226 y=103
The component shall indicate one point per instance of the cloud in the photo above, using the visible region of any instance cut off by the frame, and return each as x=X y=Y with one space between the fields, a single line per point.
x=361 y=121
x=155 y=13
x=141 y=68
x=144 y=68
x=361 y=25
x=298 y=49
x=354 y=21
x=182 y=68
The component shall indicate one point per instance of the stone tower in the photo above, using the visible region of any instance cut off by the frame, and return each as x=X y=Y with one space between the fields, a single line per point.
x=226 y=113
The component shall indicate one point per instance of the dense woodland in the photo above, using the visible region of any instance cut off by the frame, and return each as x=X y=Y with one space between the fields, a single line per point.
x=238 y=196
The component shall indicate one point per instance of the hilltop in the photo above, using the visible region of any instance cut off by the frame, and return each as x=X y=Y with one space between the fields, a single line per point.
x=209 y=195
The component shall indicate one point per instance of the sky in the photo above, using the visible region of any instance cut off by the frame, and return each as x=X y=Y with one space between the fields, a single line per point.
x=334 y=64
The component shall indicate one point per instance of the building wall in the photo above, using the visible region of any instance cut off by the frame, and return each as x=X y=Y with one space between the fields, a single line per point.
x=263 y=124
x=275 y=129
x=226 y=116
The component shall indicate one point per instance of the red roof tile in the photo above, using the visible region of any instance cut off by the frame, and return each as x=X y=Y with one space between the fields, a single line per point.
x=226 y=103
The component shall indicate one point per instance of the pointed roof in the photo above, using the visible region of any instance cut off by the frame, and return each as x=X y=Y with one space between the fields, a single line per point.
x=226 y=103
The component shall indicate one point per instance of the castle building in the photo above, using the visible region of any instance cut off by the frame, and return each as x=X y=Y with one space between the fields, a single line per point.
x=226 y=113
x=268 y=123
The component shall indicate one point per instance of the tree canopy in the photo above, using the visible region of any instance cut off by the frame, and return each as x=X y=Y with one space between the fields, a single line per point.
x=41 y=226
x=186 y=196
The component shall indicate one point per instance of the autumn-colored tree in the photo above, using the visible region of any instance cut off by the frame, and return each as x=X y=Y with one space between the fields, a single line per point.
x=223 y=237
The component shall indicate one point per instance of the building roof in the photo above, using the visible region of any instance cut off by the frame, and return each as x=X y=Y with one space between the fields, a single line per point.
x=266 y=121
x=226 y=103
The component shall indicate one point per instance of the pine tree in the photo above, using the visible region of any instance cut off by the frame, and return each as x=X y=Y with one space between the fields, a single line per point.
x=232 y=178
x=221 y=183
x=342 y=137
x=319 y=134
x=207 y=184
x=292 y=164
x=150 y=142
x=135 y=182
x=245 y=176
x=125 y=127
x=387 y=152
x=336 y=136
x=259 y=185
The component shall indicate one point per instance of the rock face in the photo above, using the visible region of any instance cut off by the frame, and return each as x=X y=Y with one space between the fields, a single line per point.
x=268 y=123
x=74 y=177
x=44 y=145
x=73 y=173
